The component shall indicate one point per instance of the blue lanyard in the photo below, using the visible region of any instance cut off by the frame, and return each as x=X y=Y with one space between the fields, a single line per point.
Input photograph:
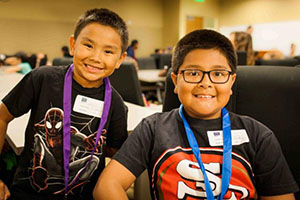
x=227 y=148
x=67 y=123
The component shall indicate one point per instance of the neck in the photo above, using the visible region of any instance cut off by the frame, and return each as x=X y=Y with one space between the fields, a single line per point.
x=86 y=83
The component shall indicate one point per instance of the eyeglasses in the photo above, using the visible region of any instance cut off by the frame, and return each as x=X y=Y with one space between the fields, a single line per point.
x=217 y=76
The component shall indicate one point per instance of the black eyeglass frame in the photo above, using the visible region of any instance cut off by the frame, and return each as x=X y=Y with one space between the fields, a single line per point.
x=206 y=72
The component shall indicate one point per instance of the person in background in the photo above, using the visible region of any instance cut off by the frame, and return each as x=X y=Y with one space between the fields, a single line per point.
x=293 y=48
x=17 y=64
x=240 y=157
x=249 y=29
x=158 y=51
x=77 y=118
x=65 y=51
x=242 y=41
x=2 y=58
x=131 y=49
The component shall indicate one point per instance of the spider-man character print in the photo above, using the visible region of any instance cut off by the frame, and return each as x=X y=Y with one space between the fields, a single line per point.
x=47 y=165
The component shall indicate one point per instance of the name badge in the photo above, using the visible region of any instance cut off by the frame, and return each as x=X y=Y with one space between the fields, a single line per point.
x=215 y=138
x=88 y=106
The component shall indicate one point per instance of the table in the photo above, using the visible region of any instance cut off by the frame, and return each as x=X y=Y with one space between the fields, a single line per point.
x=150 y=76
x=16 y=128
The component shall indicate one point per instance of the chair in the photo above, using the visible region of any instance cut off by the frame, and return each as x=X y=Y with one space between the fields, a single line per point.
x=165 y=60
x=279 y=62
x=126 y=82
x=270 y=94
x=162 y=59
x=241 y=57
x=146 y=62
x=62 y=61
x=171 y=100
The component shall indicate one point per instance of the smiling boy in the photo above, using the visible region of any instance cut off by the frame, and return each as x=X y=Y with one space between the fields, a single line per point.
x=200 y=151
x=76 y=118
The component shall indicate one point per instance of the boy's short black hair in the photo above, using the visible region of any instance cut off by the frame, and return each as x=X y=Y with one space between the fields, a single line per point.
x=104 y=17
x=203 y=39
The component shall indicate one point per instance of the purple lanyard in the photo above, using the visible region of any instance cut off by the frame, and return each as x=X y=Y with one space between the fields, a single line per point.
x=67 y=107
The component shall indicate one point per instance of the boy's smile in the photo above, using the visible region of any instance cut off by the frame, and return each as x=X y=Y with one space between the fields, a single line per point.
x=97 y=53
x=203 y=100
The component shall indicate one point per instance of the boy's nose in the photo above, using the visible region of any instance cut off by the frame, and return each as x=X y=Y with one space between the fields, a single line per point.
x=96 y=56
x=205 y=81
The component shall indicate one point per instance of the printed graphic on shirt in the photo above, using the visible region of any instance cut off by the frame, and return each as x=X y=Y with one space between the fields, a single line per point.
x=47 y=164
x=177 y=175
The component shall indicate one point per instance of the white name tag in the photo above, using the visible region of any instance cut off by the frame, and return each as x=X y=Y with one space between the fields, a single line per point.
x=88 y=106
x=238 y=137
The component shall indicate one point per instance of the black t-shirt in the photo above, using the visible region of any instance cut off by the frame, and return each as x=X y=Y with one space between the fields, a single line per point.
x=159 y=144
x=40 y=170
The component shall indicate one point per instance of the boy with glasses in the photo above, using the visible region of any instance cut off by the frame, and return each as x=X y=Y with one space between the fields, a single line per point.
x=200 y=151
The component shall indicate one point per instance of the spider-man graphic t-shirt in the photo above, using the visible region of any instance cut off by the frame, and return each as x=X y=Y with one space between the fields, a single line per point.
x=159 y=144
x=40 y=171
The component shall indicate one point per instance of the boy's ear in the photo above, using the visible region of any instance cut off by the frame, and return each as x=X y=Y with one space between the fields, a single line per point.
x=122 y=57
x=72 y=45
x=233 y=78
x=174 y=80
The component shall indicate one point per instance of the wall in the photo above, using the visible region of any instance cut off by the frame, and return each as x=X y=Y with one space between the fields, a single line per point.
x=170 y=23
x=209 y=9
x=275 y=22
x=33 y=26
x=237 y=12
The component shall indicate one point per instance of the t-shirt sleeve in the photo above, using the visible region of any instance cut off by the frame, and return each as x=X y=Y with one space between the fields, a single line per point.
x=134 y=154
x=271 y=171
x=19 y=100
x=25 y=68
x=117 y=129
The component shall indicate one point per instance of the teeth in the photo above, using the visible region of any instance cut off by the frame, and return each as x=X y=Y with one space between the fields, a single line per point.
x=204 y=96
x=91 y=66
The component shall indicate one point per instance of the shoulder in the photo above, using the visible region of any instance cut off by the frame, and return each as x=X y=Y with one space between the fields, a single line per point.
x=50 y=69
x=52 y=72
x=117 y=100
x=253 y=127
x=162 y=120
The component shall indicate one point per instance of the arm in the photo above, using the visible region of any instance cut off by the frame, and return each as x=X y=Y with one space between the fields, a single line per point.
x=110 y=151
x=5 y=118
x=13 y=69
x=113 y=182
x=279 y=197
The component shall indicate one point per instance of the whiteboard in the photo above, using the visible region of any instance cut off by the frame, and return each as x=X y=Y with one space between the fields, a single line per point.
x=275 y=35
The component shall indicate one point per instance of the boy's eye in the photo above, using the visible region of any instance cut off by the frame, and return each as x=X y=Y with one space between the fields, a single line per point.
x=88 y=45
x=218 y=73
x=192 y=73
x=108 y=52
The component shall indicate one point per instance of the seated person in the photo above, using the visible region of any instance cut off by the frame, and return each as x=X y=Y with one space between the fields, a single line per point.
x=16 y=65
x=2 y=58
x=200 y=151
x=242 y=41
x=273 y=54
x=66 y=52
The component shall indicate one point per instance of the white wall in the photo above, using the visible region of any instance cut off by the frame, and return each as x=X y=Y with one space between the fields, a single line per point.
x=275 y=35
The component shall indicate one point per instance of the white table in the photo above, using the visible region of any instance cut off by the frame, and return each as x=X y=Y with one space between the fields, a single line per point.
x=150 y=75
x=16 y=128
